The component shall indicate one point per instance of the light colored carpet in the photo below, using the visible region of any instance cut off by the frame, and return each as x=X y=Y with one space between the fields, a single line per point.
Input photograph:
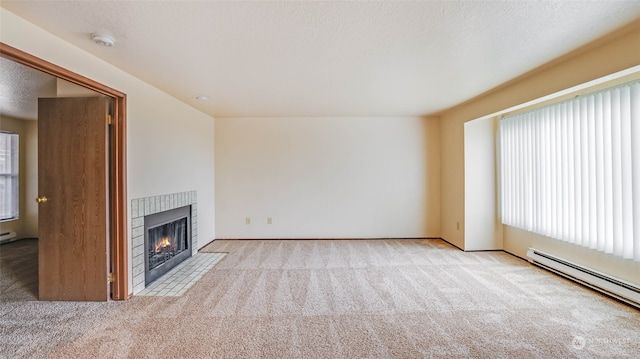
x=339 y=299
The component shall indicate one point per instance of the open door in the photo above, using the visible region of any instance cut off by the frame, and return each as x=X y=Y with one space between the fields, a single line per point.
x=73 y=186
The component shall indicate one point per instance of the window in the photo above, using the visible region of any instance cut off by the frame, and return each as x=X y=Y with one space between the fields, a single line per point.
x=8 y=176
x=571 y=170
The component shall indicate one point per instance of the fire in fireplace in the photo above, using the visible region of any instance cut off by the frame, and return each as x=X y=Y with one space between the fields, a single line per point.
x=167 y=241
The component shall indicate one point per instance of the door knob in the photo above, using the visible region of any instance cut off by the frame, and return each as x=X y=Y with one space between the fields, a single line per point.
x=41 y=199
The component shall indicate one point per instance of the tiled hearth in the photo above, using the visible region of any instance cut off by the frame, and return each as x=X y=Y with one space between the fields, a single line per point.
x=141 y=207
x=181 y=278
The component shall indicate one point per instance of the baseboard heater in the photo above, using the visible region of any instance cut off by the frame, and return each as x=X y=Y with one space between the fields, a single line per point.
x=7 y=236
x=617 y=288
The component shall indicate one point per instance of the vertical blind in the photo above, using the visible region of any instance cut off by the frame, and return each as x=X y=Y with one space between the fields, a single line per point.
x=8 y=176
x=571 y=170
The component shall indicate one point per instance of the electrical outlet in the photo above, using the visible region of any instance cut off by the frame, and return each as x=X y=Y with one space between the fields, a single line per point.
x=269 y=220
x=247 y=220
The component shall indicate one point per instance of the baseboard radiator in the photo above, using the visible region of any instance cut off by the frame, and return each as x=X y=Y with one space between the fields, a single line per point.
x=617 y=288
x=7 y=236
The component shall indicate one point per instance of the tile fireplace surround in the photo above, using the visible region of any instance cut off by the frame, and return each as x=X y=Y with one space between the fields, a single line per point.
x=141 y=207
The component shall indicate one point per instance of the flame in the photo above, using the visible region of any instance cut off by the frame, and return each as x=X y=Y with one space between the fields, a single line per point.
x=164 y=243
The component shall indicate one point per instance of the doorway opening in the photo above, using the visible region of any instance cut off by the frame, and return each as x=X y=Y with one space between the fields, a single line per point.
x=117 y=200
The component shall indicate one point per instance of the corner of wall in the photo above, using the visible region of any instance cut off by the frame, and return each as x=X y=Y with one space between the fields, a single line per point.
x=608 y=55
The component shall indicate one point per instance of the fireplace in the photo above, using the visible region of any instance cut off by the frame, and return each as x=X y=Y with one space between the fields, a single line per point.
x=167 y=241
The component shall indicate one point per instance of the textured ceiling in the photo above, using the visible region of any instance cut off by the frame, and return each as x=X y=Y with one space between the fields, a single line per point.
x=20 y=88
x=328 y=58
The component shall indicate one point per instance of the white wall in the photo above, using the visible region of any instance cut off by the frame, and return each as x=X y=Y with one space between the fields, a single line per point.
x=169 y=143
x=482 y=224
x=30 y=228
x=327 y=177
x=452 y=191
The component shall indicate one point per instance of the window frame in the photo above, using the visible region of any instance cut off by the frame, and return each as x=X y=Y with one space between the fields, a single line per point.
x=13 y=174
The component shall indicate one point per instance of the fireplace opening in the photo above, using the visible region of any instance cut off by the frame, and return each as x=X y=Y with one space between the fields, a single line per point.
x=167 y=241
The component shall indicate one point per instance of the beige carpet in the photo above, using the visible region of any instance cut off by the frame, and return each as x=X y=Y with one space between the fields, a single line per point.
x=338 y=299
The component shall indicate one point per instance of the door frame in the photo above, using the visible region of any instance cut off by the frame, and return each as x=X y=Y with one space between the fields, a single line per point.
x=118 y=153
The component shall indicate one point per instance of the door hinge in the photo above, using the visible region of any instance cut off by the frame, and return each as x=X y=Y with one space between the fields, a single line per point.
x=110 y=277
x=109 y=120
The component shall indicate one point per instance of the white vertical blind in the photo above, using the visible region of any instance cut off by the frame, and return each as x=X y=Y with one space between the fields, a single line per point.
x=8 y=176
x=571 y=170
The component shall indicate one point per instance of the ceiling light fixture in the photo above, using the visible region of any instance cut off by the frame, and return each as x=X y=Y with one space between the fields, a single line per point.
x=202 y=98
x=103 y=40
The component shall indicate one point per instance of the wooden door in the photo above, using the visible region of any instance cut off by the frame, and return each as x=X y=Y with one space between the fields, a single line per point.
x=73 y=186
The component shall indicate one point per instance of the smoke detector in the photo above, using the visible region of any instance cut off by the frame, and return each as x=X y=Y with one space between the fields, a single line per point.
x=103 y=40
